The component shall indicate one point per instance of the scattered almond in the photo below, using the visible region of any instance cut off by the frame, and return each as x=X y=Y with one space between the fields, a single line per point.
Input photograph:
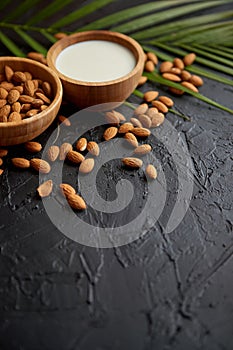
x=166 y=100
x=81 y=145
x=171 y=77
x=1 y=161
x=126 y=127
x=142 y=149
x=165 y=66
x=131 y=139
x=67 y=190
x=175 y=70
x=176 y=91
x=64 y=149
x=185 y=75
x=151 y=172
x=93 y=148
x=142 y=80
x=141 y=132
x=45 y=189
x=157 y=120
x=110 y=133
x=65 y=121
x=196 y=80
x=152 y=57
x=141 y=109
x=33 y=147
x=112 y=118
x=87 y=165
x=40 y=165
x=1 y=171
x=152 y=111
x=145 y=120
x=189 y=59
x=76 y=202
x=53 y=153
x=136 y=122
x=178 y=63
x=189 y=86
x=21 y=163
x=60 y=35
x=132 y=162
x=120 y=116
x=75 y=157
x=150 y=95
x=149 y=66
x=35 y=56
x=160 y=106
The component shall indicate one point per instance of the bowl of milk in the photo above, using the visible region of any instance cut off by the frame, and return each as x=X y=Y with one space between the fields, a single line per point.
x=97 y=67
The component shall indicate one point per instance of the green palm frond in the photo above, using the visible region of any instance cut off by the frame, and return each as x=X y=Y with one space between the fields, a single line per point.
x=168 y=27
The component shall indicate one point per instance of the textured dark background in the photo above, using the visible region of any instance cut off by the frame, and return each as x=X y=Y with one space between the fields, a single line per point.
x=163 y=291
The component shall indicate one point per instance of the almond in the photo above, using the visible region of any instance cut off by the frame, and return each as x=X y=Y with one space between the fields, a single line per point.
x=3 y=102
x=25 y=99
x=189 y=59
x=149 y=66
x=45 y=188
x=37 y=103
x=151 y=172
x=8 y=73
x=14 y=117
x=196 y=80
x=126 y=127
x=1 y=171
x=65 y=121
x=43 y=97
x=64 y=149
x=3 y=93
x=160 y=106
x=151 y=112
x=53 y=153
x=28 y=75
x=1 y=161
x=112 y=118
x=87 y=165
x=152 y=57
x=110 y=133
x=76 y=202
x=166 y=100
x=19 y=88
x=5 y=111
x=189 y=86
x=136 y=122
x=40 y=165
x=33 y=147
x=120 y=116
x=165 y=66
x=25 y=107
x=3 y=119
x=67 y=189
x=142 y=80
x=29 y=88
x=93 y=148
x=141 y=132
x=178 y=63
x=19 y=77
x=21 y=163
x=132 y=162
x=142 y=149
x=75 y=157
x=175 y=70
x=141 y=109
x=35 y=56
x=6 y=85
x=13 y=96
x=176 y=91
x=145 y=120
x=150 y=95
x=171 y=77
x=16 y=107
x=60 y=35
x=81 y=145
x=185 y=75
x=157 y=119
x=47 y=89
x=131 y=139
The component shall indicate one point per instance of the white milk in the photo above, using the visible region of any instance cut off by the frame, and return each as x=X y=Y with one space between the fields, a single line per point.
x=95 y=61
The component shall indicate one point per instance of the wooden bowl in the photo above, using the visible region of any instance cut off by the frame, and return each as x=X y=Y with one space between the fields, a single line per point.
x=12 y=133
x=85 y=94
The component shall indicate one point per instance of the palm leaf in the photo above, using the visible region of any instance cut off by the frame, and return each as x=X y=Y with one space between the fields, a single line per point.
x=167 y=26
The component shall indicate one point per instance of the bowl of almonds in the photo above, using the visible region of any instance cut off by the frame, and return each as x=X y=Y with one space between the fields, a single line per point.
x=30 y=97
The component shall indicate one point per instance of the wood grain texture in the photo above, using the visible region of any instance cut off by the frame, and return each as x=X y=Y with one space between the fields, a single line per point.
x=18 y=132
x=85 y=94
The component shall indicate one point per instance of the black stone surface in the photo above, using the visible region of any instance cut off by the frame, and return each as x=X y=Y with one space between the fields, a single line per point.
x=163 y=291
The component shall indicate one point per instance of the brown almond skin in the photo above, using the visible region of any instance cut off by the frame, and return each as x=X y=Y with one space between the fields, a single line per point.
x=176 y=91
x=171 y=77
x=141 y=109
x=53 y=153
x=189 y=86
x=157 y=120
x=161 y=106
x=1 y=161
x=19 y=88
x=149 y=66
x=75 y=157
x=1 y=171
x=175 y=70
x=189 y=59
x=4 y=112
x=33 y=147
x=151 y=172
x=110 y=133
x=14 y=117
x=37 y=103
x=3 y=152
x=87 y=165
x=131 y=139
x=47 y=89
x=6 y=85
x=93 y=148
x=60 y=35
x=43 y=97
x=152 y=57
x=35 y=56
x=13 y=96
x=40 y=165
x=64 y=149
x=136 y=123
x=142 y=80
x=112 y=118
x=45 y=189
x=19 y=77
x=145 y=120
x=141 y=132
x=120 y=116
x=29 y=88
x=16 y=107
x=67 y=189
x=3 y=102
x=3 y=93
x=142 y=150
x=166 y=100
x=165 y=66
x=132 y=162
x=150 y=95
x=178 y=63
x=126 y=127
x=196 y=80
x=25 y=107
x=76 y=202
x=65 y=121
x=28 y=75
x=25 y=99
x=81 y=144
x=151 y=112
x=185 y=75
x=31 y=113
x=8 y=73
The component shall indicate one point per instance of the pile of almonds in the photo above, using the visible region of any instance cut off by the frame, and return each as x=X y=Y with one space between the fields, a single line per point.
x=22 y=95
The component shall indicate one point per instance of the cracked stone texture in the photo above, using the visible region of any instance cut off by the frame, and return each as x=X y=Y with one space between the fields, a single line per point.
x=164 y=291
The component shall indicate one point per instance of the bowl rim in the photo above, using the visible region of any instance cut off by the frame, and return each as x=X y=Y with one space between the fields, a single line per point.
x=56 y=99
x=95 y=34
